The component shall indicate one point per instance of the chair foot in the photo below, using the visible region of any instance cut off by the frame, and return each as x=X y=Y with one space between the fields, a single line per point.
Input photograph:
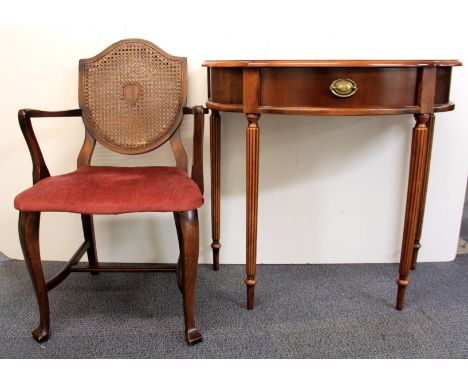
x=41 y=333
x=193 y=336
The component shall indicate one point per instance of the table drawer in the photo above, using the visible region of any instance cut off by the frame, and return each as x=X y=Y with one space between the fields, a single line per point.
x=310 y=87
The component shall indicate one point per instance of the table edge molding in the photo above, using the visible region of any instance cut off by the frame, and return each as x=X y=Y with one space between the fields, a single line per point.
x=327 y=63
x=328 y=111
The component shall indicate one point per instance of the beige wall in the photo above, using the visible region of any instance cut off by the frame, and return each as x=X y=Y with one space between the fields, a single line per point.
x=331 y=189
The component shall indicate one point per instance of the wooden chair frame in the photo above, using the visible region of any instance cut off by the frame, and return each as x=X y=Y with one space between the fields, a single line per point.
x=186 y=222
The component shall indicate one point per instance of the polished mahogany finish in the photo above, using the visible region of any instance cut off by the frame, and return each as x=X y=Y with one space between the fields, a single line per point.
x=215 y=145
x=298 y=89
x=308 y=87
x=328 y=63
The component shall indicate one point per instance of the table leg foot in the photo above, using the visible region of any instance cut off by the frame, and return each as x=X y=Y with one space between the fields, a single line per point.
x=402 y=284
x=414 y=260
x=250 y=293
x=216 y=246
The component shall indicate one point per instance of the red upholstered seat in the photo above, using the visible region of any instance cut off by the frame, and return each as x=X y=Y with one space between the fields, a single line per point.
x=113 y=190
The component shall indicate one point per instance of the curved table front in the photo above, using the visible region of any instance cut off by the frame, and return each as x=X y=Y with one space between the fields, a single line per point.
x=328 y=87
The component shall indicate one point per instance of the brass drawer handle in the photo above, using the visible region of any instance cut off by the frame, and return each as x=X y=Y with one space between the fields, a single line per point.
x=343 y=87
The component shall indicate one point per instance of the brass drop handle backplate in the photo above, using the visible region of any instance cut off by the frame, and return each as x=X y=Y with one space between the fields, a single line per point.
x=343 y=87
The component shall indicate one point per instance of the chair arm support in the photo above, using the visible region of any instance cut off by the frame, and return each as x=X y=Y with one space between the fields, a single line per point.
x=40 y=170
x=198 y=129
x=189 y=110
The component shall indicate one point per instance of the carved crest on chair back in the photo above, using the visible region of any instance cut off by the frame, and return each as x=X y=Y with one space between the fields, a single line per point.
x=132 y=95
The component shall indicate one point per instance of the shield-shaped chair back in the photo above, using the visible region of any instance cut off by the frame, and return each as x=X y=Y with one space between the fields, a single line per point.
x=132 y=95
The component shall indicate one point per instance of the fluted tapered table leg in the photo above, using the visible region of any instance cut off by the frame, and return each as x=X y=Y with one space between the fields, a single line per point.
x=215 y=157
x=252 y=172
x=416 y=185
x=417 y=241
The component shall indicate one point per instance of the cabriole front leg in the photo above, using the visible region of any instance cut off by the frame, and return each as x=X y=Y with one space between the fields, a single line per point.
x=417 y=173
x=187 y=230
x=253 y=146
x=215 y=158
x=28 y=228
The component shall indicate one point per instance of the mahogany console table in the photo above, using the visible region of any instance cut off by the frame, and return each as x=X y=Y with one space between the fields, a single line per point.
x=318 y=87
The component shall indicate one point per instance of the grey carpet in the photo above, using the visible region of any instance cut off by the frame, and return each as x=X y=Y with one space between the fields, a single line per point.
x=301 y=311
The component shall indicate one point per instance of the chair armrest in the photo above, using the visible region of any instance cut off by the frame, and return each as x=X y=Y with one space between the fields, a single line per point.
x=198 y=129
x=40 y=170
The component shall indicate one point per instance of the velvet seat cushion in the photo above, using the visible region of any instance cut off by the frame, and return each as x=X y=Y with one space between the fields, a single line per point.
x=113 y=190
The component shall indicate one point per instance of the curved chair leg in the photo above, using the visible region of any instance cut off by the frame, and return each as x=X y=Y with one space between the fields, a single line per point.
x=179 y=278
x=28 y=228
x=180 y=283
x=88 y=232
x=187 y=231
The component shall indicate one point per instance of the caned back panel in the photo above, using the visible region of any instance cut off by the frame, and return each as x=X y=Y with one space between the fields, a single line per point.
x=132 y=95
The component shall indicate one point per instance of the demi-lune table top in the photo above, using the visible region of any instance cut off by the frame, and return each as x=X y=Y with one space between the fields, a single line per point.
x=327 y=63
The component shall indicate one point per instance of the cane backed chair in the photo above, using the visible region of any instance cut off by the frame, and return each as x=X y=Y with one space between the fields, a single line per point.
x=132 y=99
